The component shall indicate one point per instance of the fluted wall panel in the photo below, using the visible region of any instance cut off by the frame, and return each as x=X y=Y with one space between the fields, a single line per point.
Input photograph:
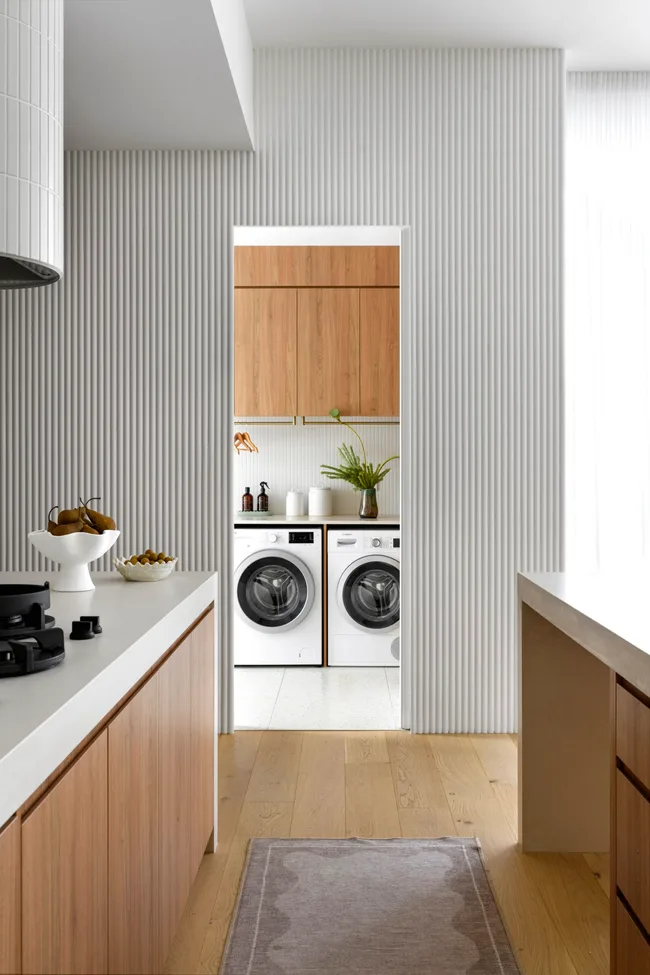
x=117 y=381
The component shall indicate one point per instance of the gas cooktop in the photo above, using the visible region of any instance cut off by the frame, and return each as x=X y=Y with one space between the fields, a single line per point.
x=29 y=640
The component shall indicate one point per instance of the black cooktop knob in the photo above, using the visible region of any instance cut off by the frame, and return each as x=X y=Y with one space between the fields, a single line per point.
x=94 y=620
x=82 y=630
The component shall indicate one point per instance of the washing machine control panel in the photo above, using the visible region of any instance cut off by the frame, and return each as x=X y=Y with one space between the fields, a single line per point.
x=383 y=541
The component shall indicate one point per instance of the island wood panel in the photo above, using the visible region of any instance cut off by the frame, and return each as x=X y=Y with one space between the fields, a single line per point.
x=632 y=948
x=133 y=835
x=328 y=351
x=312 y=267
x=10 y=898
x=203 y=724
x=633 y=734
x=379 y=365
x=265 y=352
x=175 y=730
x=633 y=847
x=64 y=842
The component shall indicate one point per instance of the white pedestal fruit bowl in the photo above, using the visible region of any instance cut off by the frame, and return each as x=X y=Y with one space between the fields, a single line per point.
x=73 y=553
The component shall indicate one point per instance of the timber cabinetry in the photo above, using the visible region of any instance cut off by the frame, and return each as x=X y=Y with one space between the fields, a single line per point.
x=316 y=328
x=10 y=897
x=65 y=871
x=631 y=834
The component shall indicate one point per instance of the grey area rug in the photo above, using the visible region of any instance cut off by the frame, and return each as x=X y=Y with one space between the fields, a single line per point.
x=366 y=907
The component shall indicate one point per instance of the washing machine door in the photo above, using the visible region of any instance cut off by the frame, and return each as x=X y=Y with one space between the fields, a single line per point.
x=368 y=593
x=274 y=591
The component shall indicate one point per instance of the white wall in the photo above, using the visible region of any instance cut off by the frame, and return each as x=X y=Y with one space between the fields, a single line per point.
x=118 y=380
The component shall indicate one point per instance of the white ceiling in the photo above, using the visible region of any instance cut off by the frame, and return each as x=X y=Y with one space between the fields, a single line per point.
x=597 y=34
x=152 y=74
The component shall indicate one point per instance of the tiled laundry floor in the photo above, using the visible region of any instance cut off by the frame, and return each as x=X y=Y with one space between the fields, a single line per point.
x=317 y=698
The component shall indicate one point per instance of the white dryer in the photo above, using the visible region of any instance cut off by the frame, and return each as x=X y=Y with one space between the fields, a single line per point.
x=363 y=597
x=278 y=596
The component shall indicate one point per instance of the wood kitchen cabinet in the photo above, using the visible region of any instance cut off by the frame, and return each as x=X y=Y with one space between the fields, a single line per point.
x=10 y=898
x=316 y=267
x=134 y=835
x=265 y=352
x=64 y=842
x=379 y=364
x=328 y=351
x=202 y=731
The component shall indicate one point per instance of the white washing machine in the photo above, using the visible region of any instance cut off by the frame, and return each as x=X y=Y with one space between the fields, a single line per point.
x=278 y=596
x=363 y=597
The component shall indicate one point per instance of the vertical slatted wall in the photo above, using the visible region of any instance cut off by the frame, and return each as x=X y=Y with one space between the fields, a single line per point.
x=117 y=380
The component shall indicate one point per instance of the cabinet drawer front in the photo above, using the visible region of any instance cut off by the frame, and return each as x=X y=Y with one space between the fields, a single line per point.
x=632 y=949
x=633 y=734
x=633 y=847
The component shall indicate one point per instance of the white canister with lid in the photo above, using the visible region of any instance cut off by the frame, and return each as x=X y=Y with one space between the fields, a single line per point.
x=321 y=501
x=296 y=504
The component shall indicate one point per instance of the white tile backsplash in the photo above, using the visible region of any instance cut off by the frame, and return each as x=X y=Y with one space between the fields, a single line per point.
x=290 y=457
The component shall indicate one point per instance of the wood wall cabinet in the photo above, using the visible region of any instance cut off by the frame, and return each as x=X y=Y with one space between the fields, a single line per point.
x=316 y=267
x=10 y=898
x=134 y=835
x=265 y=352
x=64 y=871
x=328 y=351
x=379 y=364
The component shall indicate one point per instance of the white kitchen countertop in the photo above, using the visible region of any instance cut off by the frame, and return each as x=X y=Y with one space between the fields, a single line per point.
x=607 y=613
x=44 y=716
x=353 y=520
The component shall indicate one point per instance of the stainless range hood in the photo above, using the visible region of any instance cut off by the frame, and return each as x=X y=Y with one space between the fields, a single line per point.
x=31 y=144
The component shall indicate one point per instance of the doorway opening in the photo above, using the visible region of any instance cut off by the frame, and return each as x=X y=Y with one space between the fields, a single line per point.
x=317 y=589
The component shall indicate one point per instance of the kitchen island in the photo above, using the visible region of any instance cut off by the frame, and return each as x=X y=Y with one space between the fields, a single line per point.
x=584 y=736
x=107 y=778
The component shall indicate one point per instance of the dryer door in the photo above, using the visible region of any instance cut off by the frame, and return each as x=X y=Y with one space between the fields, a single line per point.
x=275 y=591
x=369 y=593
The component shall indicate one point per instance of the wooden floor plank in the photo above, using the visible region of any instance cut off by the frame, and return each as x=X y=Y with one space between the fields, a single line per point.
x=365 y=746
x=498 y=756
x=422 y=823
x=599 y=865
x=275 y=773
x=370 y=805
x=415 y=774
x=319 y=809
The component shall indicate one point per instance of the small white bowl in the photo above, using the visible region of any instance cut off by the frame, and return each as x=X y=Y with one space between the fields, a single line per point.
x=73 y=553
x=144 y=573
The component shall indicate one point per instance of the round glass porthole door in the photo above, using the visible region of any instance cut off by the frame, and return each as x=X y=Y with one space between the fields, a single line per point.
x=274 y=591
x=370 y=593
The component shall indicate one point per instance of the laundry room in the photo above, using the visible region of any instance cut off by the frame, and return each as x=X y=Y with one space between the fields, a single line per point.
x=316 y=478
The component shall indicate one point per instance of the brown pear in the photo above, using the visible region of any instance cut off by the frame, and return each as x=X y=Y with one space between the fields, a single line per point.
x=69 y=516
x=68 y=529
x=99 y=521
x=50 y=521
x=89 y=530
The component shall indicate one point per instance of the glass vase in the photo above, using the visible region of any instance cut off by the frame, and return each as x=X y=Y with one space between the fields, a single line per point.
x=368 y=507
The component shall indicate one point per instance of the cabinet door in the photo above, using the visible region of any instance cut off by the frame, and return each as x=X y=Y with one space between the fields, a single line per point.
x=265 y=352
x=202 y=769
x=328 y=351
x=379 y=351
x=64 y=871
x=133 y=835
x=175 y=730
x=632 y=949
x=10 y=898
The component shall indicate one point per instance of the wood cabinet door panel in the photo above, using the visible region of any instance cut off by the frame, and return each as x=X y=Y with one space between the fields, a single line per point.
x=328 y=351
x=133 y=835
x=265 y=352
x=203 y=745
x=379 y=337
x=10 y=898
x=175 y=730
x=632 y=949
x=633 y=847
x=633 y=734
x=316 y=267
x=64 y=843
